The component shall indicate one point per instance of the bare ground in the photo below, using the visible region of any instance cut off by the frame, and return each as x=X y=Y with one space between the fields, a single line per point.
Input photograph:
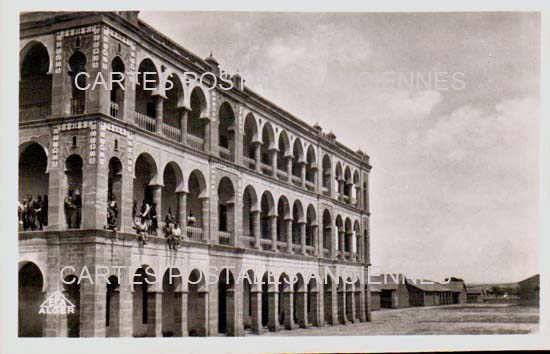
x=453 y=319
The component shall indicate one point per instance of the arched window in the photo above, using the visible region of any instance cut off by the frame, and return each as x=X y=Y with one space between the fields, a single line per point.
x=78 y=81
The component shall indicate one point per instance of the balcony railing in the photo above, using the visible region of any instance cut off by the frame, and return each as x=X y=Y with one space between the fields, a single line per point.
x=265 y=243
x=310 y=250
x=225 y=153
x=32 y=112
x=194 y=233
x=195 y=142
x=266 y=169
x=171 y=132
x=115 y=110
x=145 y=122
x=224 y=238
x=282 y=246
x=346 y=198
x=249 y=162
x=78 y=105
x=296 y=180
x=326 y=252
x=310 y=185
x=282 y=175
x=247 y=241
x=325 y=191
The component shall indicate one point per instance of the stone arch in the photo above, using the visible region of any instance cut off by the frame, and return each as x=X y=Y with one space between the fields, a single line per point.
x=283 y=151
x=297 y=157
x=31 y=287
x=33 y=182
x=145 y=178
x=227 y=124
x=226 y=209
x=284 y=215
x=147 y=87
x=250 y=136
x=327 y=232
x=143 y=301
x=118 y=89
x=77 y=64
x=173 y=102
x=226 y=303
x=172 y=183
x=35 y=75
x=268 y=145
x=250 y=205
x=311 y=165
x=74 y=175
x=31 y=45
x=327 y=175
x=198 y=118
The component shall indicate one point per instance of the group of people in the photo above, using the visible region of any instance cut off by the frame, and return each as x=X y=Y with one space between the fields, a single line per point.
x=73 y=209
x=145 y=222
x=33 y=214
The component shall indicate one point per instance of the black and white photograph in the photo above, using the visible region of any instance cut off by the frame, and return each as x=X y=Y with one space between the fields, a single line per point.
x=207 y=179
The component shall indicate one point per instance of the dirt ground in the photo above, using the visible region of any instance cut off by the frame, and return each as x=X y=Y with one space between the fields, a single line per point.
x=453 y=319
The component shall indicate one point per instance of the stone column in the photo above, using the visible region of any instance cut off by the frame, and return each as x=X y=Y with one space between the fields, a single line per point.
x=367 y=304
x=159 y=100
x=317 y=241
x=273 y=220
x=341 y=189
x=352 y=313
x=256 y=304
x=341 y=244
x=154 y=314
x=289 y=168
x=183 y=115
x=301 y=308
x=205 y=218
x=125 y=309
x=232 y=311
x=315 y=311
x=362 y=315
x=302 y=173
x=288 y=308
x=182 y=212
x=157 y=195
x=335 y=299
x=257 y=155
x=302 y=225
x=289 y=235
x=273 y=154
x=180 y=311
x=207 y=129
x=273 y=305
x=257 y=229
x=92 y=308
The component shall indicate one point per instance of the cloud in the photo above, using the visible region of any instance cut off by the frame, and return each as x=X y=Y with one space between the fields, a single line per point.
x=503 y=137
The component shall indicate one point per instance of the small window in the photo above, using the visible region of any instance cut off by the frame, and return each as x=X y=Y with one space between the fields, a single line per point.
x=74 y=141
x=116 y=144
x=77 y=42
x=119 y=47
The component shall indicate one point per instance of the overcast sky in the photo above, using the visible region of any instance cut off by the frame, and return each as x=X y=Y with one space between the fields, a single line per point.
x=454 y=185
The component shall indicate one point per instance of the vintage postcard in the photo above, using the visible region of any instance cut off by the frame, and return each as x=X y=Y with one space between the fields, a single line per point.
x=226 y=179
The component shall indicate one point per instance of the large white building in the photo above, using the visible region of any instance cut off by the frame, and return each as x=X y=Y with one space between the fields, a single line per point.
x=272 y=197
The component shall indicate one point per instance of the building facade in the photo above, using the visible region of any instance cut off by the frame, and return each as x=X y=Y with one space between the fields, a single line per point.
x=274 y=212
